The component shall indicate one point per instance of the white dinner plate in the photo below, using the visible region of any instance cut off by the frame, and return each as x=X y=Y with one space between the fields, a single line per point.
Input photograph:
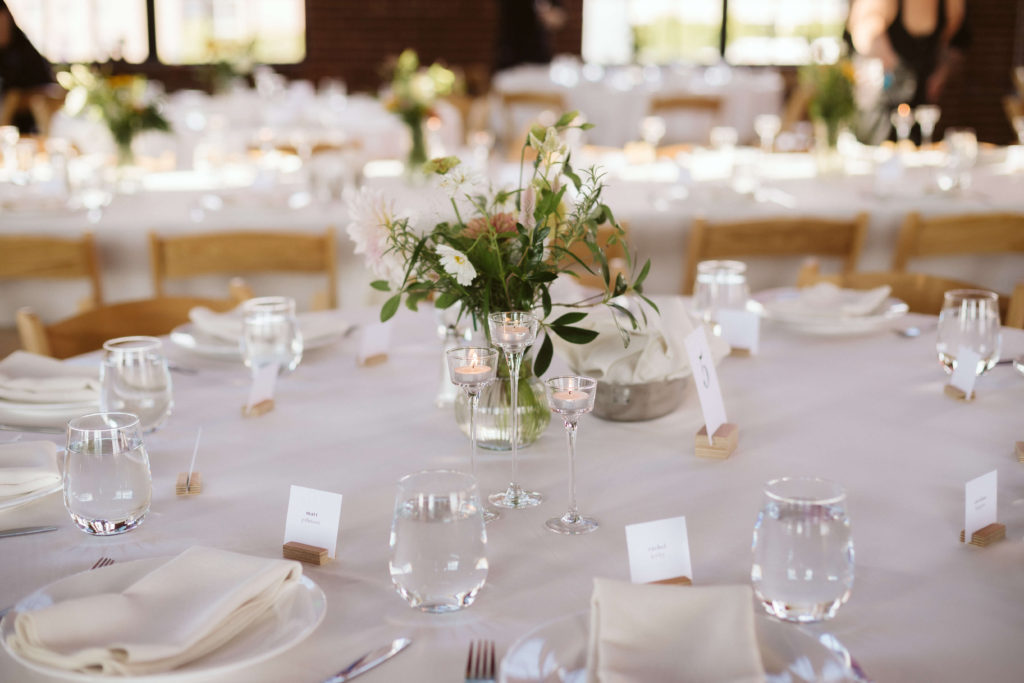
x=556 y=652
x=46 y=418
x=290 y=621
x=190 y=337
x=890 y=309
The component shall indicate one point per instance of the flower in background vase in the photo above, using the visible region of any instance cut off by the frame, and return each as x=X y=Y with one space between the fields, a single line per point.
x=503 y=253
x=124 y=103
x=226 y=62
x=830 y=87
x=414 y=90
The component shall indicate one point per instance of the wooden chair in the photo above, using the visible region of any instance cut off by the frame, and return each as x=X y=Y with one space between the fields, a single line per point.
x=34 y=256
x=614 y=252
x=534 y=101
x=87 y=331
x=1015 y=311
x=236 y=253
x=775 y=237
x=980 y=233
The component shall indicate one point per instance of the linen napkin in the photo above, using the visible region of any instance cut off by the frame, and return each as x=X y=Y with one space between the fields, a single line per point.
x=654 y=354
x=31 y=378
x=314 y=325
x=672 y=634
x=179 y=612
x=826 y=300
x=27 y=466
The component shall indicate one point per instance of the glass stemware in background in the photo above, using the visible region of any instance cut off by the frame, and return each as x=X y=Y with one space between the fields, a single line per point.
x=270 y=333
x=803 y=549
x=438 y=542
x=134 y=379
x=969 y=319
x=571 y=397
x=652 y=130
x=902 y=122
x=513 y=332
x=107 y=482
x=767 y=126
x=723 y=138
x=9 y=136
x=719 y=284
x=927 y=115
x=961 y=155
x=473 y=368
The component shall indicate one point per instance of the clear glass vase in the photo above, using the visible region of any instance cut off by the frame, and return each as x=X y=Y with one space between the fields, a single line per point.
x=494 y=414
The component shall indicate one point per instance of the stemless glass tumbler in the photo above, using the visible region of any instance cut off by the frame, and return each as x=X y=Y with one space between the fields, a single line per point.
x=969 y=320
x=719 y=284
x=438 y=559
x=803 y=549
x=270 y=333
x=107 y=483
x=135 y=379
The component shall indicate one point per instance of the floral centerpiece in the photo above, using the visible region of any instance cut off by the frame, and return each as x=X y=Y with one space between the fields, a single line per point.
x=121 y=102
x=414 y=90
x=226 y=63
x=502 y=250
x=832 y=103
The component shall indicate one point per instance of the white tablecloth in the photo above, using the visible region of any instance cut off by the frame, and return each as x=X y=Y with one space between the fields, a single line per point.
x=868 y=412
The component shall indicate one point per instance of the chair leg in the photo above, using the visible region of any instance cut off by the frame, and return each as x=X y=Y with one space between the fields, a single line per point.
x=32 y=332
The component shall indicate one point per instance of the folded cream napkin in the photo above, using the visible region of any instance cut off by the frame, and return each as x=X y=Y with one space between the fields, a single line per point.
x=654 y=354
x=27 y=466
x=826 y=300
x=672 y=634
x=314 y=325
x=179 y=612
x=31 y=378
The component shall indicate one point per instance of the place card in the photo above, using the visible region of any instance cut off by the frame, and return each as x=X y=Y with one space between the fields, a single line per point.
x=717 y=438
x=373 y=349
x=741 y=329
x=261 y=391
x=981 y=512
x=313 y=519
x=659 y=551
x=961 y=383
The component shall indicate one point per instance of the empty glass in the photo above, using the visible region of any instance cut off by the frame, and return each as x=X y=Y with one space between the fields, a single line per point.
x=571 y=397
x=719 y=285
x=652 y=130
x=927 y=115
x=270 y=333
x=107 y=483
x=767 y=126
x=961 y=155
x=438 y=560
x=803 y=549
x=969 y=319
x=134 y=379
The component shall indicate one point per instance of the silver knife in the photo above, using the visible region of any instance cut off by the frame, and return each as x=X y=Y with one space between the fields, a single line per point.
x=26 y=530
x=370 y=660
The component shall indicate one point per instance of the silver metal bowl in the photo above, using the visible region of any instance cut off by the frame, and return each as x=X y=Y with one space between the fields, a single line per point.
x=638 y=402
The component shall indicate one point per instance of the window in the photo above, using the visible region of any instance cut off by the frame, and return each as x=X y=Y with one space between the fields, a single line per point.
x=756 y=31
x=84 y=30
x=203 y=31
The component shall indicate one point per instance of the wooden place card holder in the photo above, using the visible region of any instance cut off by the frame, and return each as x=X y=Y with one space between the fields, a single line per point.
x=1019 y=448
x=375 y=359
x=737 y=352
x=722 y=443
x=958 y=394
x=310 y=554
x=188 y=487
x=986 y=536
x=257 y=409
x=674 y=581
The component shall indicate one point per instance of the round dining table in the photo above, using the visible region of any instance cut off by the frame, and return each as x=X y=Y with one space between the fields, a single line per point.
x=867 y=411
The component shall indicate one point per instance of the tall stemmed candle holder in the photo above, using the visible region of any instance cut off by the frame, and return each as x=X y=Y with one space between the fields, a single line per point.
x=571 y=397
x=513 y=332
x=473 y=368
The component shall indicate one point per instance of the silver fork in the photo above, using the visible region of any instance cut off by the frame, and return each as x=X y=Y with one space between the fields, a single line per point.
x=102 y=562
x=480 y=664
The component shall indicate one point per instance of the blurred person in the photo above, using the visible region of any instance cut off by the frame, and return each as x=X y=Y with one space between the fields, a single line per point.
x=25 y=75
x=524 y=28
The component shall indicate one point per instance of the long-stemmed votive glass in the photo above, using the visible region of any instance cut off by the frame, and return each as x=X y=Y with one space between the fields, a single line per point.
x=513 y=332
x=473 y=368
x=969 y=319
x=571 y=397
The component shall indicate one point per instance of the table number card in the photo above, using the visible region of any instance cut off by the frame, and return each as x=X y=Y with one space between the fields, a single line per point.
x=981 y=511
x=718 y=438
x=376 y=341
x=659 y=551
x=313 y=519
x=741 y=329
x=965 y=373
x=261 y=391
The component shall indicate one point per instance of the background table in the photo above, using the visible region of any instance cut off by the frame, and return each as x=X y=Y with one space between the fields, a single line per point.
x=866 y=411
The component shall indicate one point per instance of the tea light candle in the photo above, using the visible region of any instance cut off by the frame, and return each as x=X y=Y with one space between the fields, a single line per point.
x=570 y=400
x=473 y=374
x=512 y=334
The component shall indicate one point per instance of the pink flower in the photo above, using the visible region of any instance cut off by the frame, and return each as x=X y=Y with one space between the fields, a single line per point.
x=502 y=222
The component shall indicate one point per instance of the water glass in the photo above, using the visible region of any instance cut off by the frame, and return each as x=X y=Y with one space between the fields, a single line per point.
x=107 y=483
x=134 y=378
x=803 y=549
x=719 y=285
x=270 y=333
x=961 y=155
x=438 y=559
x=969 y=319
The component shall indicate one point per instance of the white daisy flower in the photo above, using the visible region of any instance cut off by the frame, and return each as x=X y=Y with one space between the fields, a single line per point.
x=369 y=228
x=456 y=264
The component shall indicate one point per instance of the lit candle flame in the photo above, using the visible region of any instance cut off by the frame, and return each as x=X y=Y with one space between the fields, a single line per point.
x=473 y=360
x=903 y=109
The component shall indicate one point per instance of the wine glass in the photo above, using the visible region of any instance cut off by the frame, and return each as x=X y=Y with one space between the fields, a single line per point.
x=270 y=333
x=719 y=284
x=802 y=569
x=134 y=378
x=473 y=368
x=927 y=115
x=571 y=397
x=969 y=319
x=513 y=332
x=767 y=126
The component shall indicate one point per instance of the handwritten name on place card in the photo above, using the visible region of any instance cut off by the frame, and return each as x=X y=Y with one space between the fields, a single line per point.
x=658 y=550
x=313 y=518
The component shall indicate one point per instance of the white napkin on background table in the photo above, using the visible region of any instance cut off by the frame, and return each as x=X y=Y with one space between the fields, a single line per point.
x=672 y=634
x=44 y=393
x=27 y=466
x=314 y=325
x=179 y=612
x=827 y=300
x=654 y=354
